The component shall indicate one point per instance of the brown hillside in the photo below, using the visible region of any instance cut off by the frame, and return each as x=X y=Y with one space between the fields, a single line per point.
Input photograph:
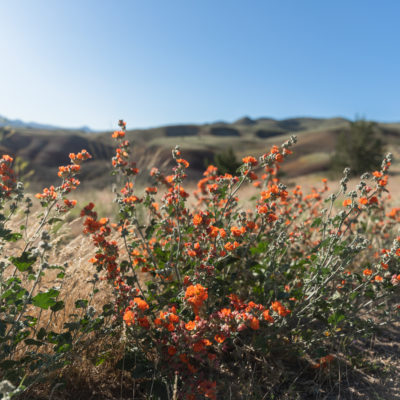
x=45 y=150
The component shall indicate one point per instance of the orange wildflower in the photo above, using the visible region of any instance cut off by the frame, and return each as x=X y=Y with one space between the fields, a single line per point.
x=231 y=246
x=190 y=325
x=383 y=181
x=183 y=162
x=225 y=312
x=268 y=317
x=118 y=134
x=262 y=209
x=197 y=219
x=173 y=318
x=250 y=160
x=70 y=203
x=129 y=317
x=280 y=309
x=170 y=327
x=141 y=304
x=196 y=295
x=238 y=231
x=367 y=272
x=48 y=194
x=255 y=324
x=213 y=231
x=219 y=338
x=191 y=253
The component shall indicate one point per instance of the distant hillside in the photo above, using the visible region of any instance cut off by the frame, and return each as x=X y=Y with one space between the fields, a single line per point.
x=45 y=149
x=17 y=123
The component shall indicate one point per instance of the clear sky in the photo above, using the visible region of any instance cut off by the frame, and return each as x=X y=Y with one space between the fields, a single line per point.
x=156 y=62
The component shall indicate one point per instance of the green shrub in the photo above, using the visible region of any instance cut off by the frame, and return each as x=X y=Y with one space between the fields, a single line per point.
x=226 y=162
x=360 y=148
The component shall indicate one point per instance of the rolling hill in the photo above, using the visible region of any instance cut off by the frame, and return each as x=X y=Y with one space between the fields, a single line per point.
x=44 y=149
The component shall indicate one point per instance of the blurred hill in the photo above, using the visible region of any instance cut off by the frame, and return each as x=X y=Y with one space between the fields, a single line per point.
x=17 y=123
x=44 y=149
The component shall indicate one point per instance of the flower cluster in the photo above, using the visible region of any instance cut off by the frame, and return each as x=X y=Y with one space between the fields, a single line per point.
x=69 y=182
x=7 y=176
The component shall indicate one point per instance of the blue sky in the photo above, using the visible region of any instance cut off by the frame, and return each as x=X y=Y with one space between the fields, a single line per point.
x=156 y=62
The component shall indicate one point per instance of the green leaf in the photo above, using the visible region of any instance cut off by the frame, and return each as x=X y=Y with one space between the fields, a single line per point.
x=41 y=334
x=30 y=321
x=108 y=309
x=336 y=317
x=24 y=262
x=46 y=299
x=150 y=230
x=99 y=361
x=20 y=336
x=325 y=243
x=13 y=237
x=262 y=247
x=33 y=342
x=81 y=303
x=63 y=341
x=56 y=267
x=353 y=295
x=8 y=235
x=12 y=280
x=53 y=220
x=58 y=306
x=72 y=326
x=316 y=222
x=63 y=348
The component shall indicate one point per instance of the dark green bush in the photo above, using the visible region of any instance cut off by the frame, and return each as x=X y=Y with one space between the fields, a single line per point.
x=360 y=148
x=226 y=162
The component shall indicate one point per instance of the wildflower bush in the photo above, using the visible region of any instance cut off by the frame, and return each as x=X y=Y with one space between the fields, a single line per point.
x=30 y=284
x=209 y=296
x=211 y=299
